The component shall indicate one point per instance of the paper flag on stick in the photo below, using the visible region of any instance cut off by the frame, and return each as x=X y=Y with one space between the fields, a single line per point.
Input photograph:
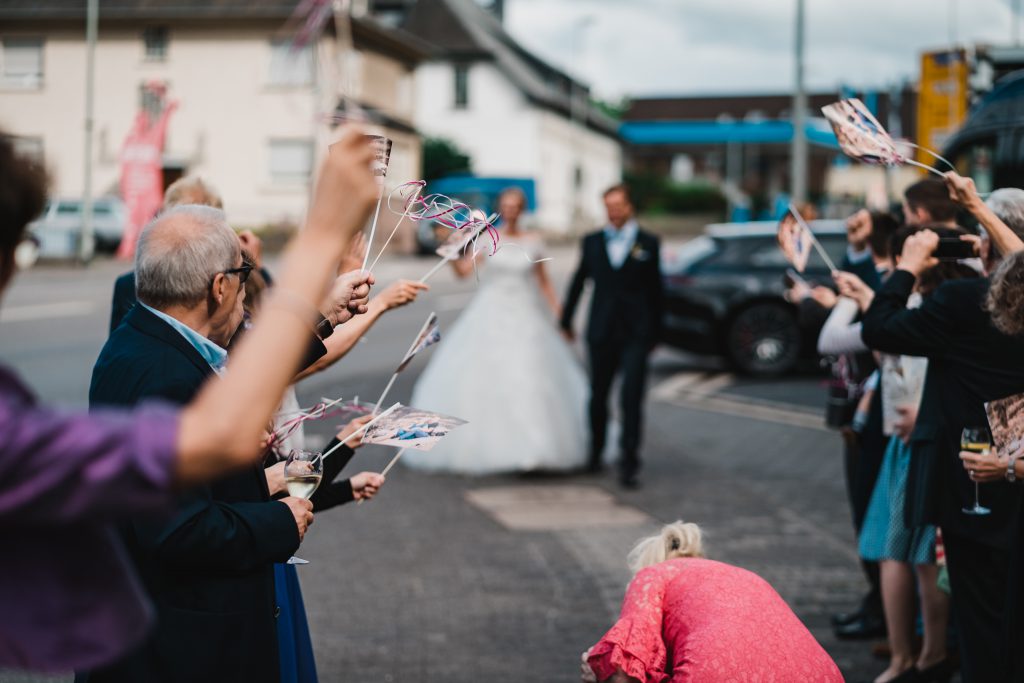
x=407 y=427
x=1006 y=422
x=795 y=240
x=381 y=156
x=860 y=135
x=429 y=335
x=459 y=240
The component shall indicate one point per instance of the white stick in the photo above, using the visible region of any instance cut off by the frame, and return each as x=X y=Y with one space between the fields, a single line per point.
x=360 y=430
x=405 y=215
x=392 y=463
x=814 y=240
x=925 y=167
x=433 y=270
x=373 y=229
x=385 y=394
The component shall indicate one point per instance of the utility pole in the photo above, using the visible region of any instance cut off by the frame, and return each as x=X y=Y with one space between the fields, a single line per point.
x=85 y=246
x=798 y=150
x=1015 y=23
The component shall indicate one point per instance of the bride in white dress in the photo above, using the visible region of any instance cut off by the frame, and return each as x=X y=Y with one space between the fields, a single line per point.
x=504 y=367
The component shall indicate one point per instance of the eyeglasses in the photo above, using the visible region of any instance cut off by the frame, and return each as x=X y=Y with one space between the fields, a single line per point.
x=243 y=272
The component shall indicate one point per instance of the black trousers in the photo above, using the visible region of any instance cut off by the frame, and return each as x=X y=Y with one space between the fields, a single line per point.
x=863 y=461
x=607 y=358
x=978 y=579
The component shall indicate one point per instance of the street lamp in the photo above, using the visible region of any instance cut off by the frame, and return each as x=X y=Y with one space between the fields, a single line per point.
x=578 y=115
x=798 y=151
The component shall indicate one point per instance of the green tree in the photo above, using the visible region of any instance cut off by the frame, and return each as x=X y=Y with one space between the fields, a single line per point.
x=441 y=157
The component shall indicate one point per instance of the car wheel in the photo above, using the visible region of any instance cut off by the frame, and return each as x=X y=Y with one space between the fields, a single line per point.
x=26 y=253
x=764 y=339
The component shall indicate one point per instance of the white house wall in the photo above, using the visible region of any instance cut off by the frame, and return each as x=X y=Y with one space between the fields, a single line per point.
x=507 y=135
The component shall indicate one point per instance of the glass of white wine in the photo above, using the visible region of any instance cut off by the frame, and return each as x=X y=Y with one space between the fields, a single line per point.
x=302 y=474
x=976 y=440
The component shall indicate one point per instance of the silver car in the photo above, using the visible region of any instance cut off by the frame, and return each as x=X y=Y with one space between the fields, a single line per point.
x=58 y=230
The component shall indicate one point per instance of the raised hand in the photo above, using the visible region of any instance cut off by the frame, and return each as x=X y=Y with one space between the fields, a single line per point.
x=365 y=485
x=858 y=229
x=400 y=293
x=962 y=190
x=918 y=252
x=854 y=288
x=302 y=511
x=348 y=297
x=345 y=190
x=345 y=435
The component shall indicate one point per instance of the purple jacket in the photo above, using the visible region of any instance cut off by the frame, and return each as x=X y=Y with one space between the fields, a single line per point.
x=68 y=597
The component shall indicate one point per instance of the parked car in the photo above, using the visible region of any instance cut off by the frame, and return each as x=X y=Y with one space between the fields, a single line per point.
x=59 y=228
x=724 y=295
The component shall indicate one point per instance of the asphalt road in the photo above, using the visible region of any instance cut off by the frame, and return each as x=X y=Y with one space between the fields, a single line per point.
x=446 y=578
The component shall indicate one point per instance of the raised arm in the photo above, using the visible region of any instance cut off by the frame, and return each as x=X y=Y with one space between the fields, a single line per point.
x=963 y=191
x=221 y=429
x=891 y=327
x=633 y=649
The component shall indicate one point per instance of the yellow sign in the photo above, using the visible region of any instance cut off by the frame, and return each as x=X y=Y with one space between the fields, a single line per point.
x=941 y=101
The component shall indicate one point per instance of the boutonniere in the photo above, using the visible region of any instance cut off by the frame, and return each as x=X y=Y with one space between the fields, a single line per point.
x=639 y=253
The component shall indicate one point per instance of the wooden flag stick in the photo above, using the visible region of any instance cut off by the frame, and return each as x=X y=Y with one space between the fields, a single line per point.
x=385 y=393
x=814 y=240
x=405 y=215
x=387 y=469
x=361 y=430
x=373 y=229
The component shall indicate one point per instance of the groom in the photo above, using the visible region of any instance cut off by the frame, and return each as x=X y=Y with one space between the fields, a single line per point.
x=625 y=321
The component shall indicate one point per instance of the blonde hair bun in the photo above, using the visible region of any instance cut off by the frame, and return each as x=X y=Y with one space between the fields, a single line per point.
x=678 y=539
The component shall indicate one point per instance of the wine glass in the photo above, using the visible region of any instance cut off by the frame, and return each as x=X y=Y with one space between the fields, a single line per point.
x=303 y=471
x=976 y=440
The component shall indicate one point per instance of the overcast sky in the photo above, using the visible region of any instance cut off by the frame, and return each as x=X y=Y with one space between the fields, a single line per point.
x=652 y=47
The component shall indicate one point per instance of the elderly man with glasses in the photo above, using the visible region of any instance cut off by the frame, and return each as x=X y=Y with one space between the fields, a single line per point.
x=208 y=569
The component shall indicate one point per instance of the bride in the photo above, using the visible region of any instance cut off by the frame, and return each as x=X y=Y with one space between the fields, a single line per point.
x=504 y=367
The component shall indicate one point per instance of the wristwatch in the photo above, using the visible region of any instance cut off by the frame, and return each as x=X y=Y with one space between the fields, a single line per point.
x=1011 y=471
x=324 y=328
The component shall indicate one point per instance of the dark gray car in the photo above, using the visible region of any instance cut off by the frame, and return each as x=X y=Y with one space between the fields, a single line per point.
x=724 y=295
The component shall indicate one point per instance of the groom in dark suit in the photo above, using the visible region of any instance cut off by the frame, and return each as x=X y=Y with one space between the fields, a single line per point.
x=623 y=262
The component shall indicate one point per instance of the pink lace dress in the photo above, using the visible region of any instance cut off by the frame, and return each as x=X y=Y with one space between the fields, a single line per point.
x=692 y=620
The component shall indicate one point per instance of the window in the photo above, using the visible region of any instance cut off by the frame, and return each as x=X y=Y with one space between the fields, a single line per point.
x=461 y=86
x=154 y=40
x=31 y=147
x=23 y=62
x=290 y=65
x=291 y=161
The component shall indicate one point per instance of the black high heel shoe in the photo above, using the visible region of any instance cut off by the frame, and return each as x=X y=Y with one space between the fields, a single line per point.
x=936 y=673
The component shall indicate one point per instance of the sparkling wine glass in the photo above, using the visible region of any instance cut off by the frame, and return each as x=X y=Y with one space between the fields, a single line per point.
x=976 y=440
x=303 y=471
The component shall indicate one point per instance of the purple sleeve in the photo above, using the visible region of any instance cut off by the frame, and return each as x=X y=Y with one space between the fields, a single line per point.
x=60 y=468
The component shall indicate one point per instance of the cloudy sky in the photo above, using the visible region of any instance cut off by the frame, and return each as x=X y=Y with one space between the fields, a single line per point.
x=651 y=47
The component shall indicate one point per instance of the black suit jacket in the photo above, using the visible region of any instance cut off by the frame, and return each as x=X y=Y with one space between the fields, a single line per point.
x=209 y=569
x=969 y=362
x=124 y=301
x=628 y=302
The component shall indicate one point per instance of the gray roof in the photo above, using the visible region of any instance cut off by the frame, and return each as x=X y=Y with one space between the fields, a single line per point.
x=462 y=29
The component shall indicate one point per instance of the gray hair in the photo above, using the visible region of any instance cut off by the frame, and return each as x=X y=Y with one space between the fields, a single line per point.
x=180 y=252
x=191 y=190
x=1008 y=204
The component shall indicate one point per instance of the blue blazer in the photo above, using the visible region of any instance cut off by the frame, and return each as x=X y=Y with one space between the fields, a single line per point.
x=209 y=568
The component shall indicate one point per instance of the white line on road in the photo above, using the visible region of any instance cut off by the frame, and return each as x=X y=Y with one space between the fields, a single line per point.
x=64 y=309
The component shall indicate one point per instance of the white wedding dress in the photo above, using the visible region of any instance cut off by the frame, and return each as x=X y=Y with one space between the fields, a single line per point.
x=504 y=367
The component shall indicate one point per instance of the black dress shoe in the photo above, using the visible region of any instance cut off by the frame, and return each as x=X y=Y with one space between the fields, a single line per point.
x=865 y=628
x=628 y=480
x=844 y=618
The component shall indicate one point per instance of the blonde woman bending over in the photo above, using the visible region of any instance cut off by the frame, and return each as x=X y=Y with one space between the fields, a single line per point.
x=686 y=618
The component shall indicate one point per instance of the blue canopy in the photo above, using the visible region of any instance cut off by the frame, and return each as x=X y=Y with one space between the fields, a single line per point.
x=721 y=132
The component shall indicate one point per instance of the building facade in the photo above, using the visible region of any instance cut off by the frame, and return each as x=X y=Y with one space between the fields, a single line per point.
x=513 y=114
x=254 y=112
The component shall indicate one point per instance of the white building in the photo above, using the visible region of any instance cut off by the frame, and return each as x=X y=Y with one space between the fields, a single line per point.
x=512 y=113
x=254 y=114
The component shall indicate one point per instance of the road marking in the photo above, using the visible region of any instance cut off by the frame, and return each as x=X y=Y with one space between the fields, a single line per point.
x=554 y=507
x=64 y=309
x=700 y=391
